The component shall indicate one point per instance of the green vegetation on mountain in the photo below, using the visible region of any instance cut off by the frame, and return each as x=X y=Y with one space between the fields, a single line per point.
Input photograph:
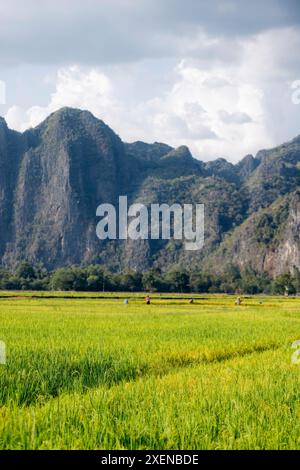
x=53 y=177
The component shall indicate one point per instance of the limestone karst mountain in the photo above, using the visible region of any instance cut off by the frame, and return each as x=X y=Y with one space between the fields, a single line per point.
x=53 y=177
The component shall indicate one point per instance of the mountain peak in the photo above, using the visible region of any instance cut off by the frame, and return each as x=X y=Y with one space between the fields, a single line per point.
x=71 y=122
x=67 y=114
x=181 y=153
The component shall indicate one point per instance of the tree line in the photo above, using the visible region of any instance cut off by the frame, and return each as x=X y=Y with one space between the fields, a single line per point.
x=96 y=278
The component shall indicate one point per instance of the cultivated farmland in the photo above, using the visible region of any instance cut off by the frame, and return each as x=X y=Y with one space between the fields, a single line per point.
x=93 y=373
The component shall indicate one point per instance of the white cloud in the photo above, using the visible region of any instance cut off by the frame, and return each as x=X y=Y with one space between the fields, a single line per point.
x=91 y=90
x=115 y=31
x=215 y=81
x=234 y=118
x=190 y=112
x=216 y=109
x=16 y=117
x=204 y=113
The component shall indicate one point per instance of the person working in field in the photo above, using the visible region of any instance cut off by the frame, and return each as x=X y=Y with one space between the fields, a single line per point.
x=148 y=300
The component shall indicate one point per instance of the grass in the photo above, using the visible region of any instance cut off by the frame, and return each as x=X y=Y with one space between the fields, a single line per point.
x=93 y=373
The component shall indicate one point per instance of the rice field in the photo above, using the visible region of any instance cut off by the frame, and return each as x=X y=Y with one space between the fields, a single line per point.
x=88 y=372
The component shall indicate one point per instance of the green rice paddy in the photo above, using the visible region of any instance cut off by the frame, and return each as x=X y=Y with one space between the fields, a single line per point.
x=88 y=372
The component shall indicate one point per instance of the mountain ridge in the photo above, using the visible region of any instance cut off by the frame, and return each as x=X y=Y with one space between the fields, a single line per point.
x=53 y=177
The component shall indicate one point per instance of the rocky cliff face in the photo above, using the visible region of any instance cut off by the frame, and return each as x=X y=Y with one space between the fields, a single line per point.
x=285 y=256
x=71 y=163
x=12 y=145
x=53 y=177
x=267 y=241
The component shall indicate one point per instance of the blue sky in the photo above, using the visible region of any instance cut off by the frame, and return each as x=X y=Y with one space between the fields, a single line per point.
x=215 y=75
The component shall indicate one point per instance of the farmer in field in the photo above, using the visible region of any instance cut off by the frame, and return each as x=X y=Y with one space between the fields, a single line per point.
x=148 y=300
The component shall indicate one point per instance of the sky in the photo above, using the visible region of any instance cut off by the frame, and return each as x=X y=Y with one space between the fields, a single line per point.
x=219 y=76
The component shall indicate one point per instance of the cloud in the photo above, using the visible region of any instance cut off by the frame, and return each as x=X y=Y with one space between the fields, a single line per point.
x=225 y=104
x=90 y=90
x=198 y=106
x=234 y=118
x=115 y=31
x=171 y=117
x=16 y=118
x=214 y=82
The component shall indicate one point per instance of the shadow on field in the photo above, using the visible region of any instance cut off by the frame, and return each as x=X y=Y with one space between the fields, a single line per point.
x=210 y=357
x=37 y=381
x=46 y=376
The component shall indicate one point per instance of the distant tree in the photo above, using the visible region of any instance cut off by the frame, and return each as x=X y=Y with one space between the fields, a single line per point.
x=132 y=281
x=231 y=273
x=25 y=271
x=216 y=282
x=264 y=282
x=11 y=283
x=227 y=287
x=111 y=282
x=296 y=280
x=94 y=283
x=178 y=280
x=152 y=280
x=97 y=278
x=250 y=286
x=39 y=284
x=4 y=276
x=200 y=282
x=253 y=282
x=80 y=281
x=62 y=279
x=284 y=284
